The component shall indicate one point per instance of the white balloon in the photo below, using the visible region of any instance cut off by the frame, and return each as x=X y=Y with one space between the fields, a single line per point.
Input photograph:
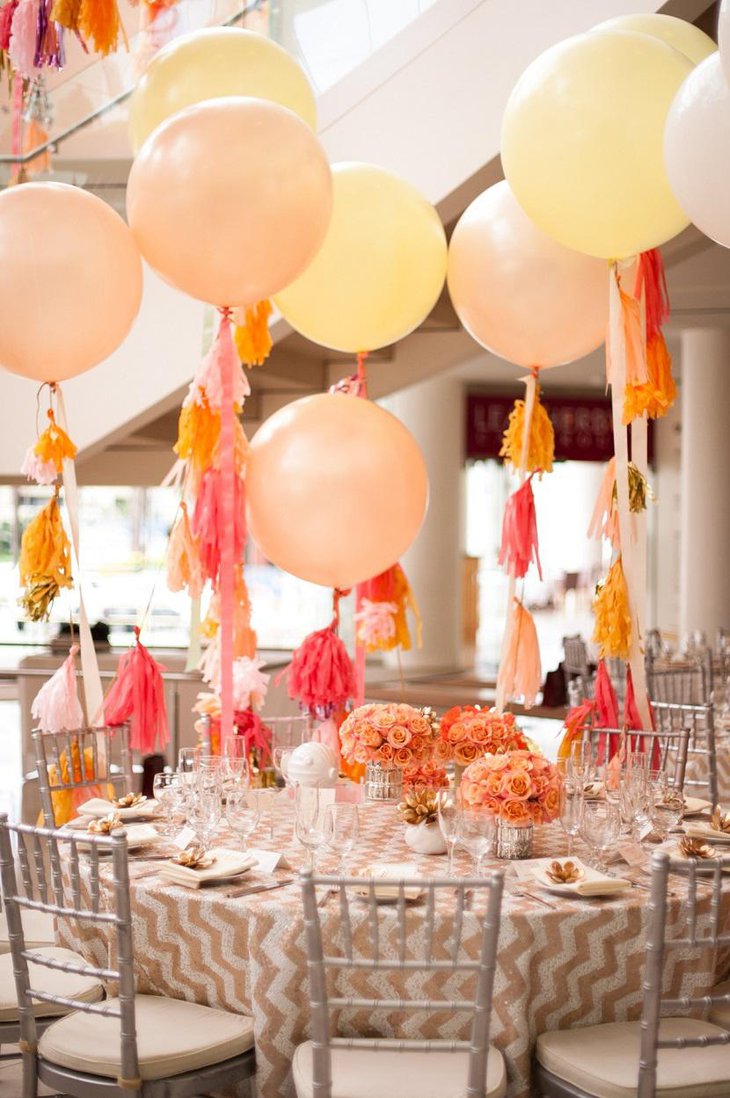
x=697 y=149
x=723 y=36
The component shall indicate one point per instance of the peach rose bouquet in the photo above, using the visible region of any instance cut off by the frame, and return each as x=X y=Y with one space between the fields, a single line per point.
x=428 y=775
x=519 y=787
x=468 y=732
x=391 y=735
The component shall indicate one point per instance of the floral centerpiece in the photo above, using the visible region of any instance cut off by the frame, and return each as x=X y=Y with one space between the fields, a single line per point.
x=428 y=775
x=468 y=732
x=389 y=739
x=521 y=788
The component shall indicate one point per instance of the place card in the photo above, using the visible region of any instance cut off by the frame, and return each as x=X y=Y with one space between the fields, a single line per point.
x=184 y=839
x=268 y=860
x=632 y=854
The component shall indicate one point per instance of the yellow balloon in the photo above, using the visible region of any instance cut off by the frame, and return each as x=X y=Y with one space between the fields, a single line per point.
x=380 y=270
x=211 y=64
x=684 y=36
x=582 y=142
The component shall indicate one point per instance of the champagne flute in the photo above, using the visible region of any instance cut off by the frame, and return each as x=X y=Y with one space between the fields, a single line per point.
x=236 y=760
x=448 y=812
x=309 y=822
x=342 y=830
x=570 y=815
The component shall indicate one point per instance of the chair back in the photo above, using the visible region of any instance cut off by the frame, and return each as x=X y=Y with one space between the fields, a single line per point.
x=668 y=748
x=576 y=666
x=700 y=933
x=62 y=893
x=412 y=947
x=687 y=685
x=698 y=721
x=79 y=759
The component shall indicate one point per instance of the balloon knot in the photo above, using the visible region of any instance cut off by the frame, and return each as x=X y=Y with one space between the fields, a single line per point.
x=226 y=312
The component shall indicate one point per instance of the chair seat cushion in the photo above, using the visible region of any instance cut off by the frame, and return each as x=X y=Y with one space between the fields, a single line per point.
x=68 y=984
x=172 y=1037
x=720 y=1013
x=604 y=1060
x=38 y=928
x=362 y=1073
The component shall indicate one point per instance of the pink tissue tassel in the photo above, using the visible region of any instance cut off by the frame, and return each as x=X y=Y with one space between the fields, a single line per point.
x=138 y=695
x=520 y=674
x=606 y=712
x=519 y=533
x=321 y=676
x=56 y=706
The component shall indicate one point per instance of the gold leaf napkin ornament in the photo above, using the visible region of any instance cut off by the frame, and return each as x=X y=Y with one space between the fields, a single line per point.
x=106 y=825
x=564 y=873
x=130 y=800
x=194 y=858
x=694 y=848
x=419 y=806
x=720 y=821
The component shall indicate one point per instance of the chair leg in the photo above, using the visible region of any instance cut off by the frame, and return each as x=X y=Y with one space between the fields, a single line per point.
x=30 y=1075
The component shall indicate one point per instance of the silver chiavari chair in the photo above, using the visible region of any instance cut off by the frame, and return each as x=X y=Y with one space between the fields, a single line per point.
x=576 y=667
x=656 y=1057
x=396 y=1066
x=81 y=758
x=679 y=685
x=146 y=1044
x=698 y=721
x=668 y=748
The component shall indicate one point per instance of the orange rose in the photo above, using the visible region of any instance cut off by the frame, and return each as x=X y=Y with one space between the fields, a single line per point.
x=516 y=813
x=478 y=731
x=518 y=785
x=361 y=753
x=403 y=757
x=419 y=726
x=466 y=752
x=383 y=720
x=398 y=736
x=370 y=737
x=493 y=782
x=551 y=801
x=385 y=753
x=442 y=751
x=457 y=732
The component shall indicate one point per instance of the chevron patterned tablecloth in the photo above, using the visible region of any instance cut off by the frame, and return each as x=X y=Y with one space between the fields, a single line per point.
x=574 y=963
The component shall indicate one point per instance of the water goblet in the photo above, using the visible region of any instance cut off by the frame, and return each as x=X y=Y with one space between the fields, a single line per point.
x=475 y=829
x=243 y=813
x=600 y=829
x=163 y=785
x=236 y=765
x=309 y=822
x=205 y=810
x=342 y=830
x=448 y=817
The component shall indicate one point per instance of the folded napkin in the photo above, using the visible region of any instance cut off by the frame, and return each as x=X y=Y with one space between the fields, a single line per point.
x=702 y=830
x=390 y=871
x=98 y=808
x=594 y=791
x=694 y=805
x=591 y=883
x=228 y=863
x=138 y=834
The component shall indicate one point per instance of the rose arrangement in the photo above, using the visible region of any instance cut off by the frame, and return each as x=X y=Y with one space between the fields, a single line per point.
x=391 y=735
x=468 y=732
x=519 y=787
x=428 y=775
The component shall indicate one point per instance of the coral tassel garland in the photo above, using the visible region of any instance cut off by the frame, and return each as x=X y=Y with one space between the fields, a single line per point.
x=207 y=524
x=56 y=706
x=252 y=338
x=604 y=521
x=45 y=561
x=541 y=441
x=383 y=616
x=321 y=676
x=183 y=558
x=612 y=631
x=138 y=695
x=520 y=674
x=519 y=533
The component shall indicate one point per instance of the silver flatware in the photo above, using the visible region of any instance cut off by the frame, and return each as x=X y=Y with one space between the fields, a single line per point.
x=250 y=889
x=538 y=899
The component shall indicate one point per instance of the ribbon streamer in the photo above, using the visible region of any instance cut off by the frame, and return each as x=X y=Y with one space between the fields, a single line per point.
x=228 y=365
x=93 y=693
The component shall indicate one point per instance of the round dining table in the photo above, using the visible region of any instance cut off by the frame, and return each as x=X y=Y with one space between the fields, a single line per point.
x=562 y=961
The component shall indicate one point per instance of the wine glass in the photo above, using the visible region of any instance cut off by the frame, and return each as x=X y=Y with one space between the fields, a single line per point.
x=243 y=813
x=236 y=760
x=581 y=763
x=309 y=822
x=600 y=828
x=163 y=785
x=570 y=815
x=448 y=813
x=205 y=810
x=342 y=830
x=475 y=830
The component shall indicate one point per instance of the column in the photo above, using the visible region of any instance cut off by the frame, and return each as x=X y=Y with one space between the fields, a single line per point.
x=434 y=413
x=705 y=481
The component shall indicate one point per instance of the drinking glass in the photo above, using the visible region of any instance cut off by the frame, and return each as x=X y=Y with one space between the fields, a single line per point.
x=186 y=762
x=205 y=810
x=570 y=815
x=286 y=734
x=162 y=791
x=235 y=757
x=309 y=822
x=600 y=828
x=476 y=834
x=243 y=813
x=448 y=813
x=581 y=763
x=342 y=830
x=667 y=809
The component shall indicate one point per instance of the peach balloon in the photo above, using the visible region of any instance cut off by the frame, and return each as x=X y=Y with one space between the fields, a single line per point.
x=336 y=489
x=70 y=280
x=230 y=199
x=518 y=292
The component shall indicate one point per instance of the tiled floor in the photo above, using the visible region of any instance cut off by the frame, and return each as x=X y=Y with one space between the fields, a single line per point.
x=11 y=1075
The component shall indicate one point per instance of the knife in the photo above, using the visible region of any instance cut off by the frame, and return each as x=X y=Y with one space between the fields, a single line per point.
x=250 y=889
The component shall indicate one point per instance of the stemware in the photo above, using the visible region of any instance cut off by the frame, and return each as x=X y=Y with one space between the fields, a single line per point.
x=580 y=763
x=236 y=766
x=243 y=813
x=448 y=817
x=309 y=822
x=600 y=828
x=286 y=734
x=475 y=830
x=204 y=810
x=342 y=830
x=570 y=814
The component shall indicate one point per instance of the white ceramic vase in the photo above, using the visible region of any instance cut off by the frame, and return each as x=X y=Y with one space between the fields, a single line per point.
x=425 y=838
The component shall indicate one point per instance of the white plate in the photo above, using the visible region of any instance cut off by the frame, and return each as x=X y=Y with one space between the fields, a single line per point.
x=695 y=806
x=592 y=883
x=676 y=859
x=228 y=864
x=138 y=834
x=702 y=830
x=387 y=876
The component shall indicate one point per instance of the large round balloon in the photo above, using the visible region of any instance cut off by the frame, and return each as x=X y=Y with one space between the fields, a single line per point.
x=683 y=36
x=70 y=280
x=230 y=199
x=380 y=270
x=210 y=64
x=517 y=291
x=723 y=36
x=336 y=489
x=697 y=149
x=582 y=142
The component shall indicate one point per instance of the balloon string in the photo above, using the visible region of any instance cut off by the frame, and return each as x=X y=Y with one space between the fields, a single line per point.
x=362 y=377
x=337 y=594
